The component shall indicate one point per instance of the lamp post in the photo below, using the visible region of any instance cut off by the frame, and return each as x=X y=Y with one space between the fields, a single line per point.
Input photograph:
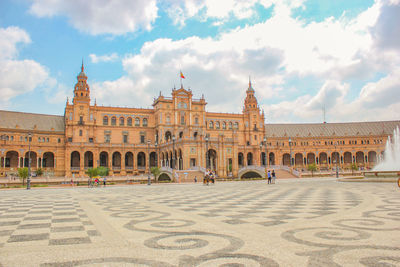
x=148 y=172
x=173 y=152
x=337 y=159
x=206 y=151
x=290 y=148
x=266 y=154
x=28 y=182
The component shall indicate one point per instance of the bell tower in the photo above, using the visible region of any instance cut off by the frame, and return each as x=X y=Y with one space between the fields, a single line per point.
x=250 y=103
x=82 y=90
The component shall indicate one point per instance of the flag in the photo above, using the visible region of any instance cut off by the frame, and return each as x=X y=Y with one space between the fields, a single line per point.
x=182 y=75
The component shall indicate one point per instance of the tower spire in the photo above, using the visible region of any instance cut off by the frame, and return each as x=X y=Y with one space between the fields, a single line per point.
x=82 y=68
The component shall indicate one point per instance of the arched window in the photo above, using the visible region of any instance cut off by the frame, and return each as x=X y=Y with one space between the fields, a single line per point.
x=211 y=125
x=121 y=121
x=230 y=125
x=168 y=120
x=217 y=125
x=137 y=122
x=129 y=121
x=224 y=125
x=113 y=121
x=144 y=122
x=105 y=120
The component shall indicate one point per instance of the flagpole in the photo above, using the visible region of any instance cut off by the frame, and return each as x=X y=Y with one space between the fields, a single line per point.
x=180 y=76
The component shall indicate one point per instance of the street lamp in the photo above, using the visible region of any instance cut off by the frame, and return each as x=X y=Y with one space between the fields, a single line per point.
x=148 y=172
x=173 y=152
x=266 y=154
x=28 y=182
x=206 y=151
x=290 y=148
x=337 y=159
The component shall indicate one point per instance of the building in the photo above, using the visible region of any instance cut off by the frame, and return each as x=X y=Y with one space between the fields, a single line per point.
x=180 y=134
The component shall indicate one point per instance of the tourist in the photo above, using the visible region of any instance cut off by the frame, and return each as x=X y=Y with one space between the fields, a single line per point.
x=195 y=179
x=89 y=182
x=269 y=177
x=104 y=181
x=273 y=176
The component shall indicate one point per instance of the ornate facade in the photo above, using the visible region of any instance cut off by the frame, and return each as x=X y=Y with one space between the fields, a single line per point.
x=178 y=133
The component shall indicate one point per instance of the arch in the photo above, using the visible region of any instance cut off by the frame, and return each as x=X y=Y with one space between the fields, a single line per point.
x=144 y=122
x=48 y=160
x=153 y=159
x=251 y=174
x=230 y=125
x=310 y=158
x=129 y=160
x=105 y=120
x=372 y=156
x=286 y=159
x=224 y=125
x=323 y=158
x=103 y=159
x=141 y=160
x=263 y=159
x=137 y=122
x=180 y=135
x=212 y=159
x=164 y=177
x=360 y=157
x=33 y=159
x=211 y=125
x=240 y=159
x=11 y=159
x=195 y=135
x=180 y=160
x=88 y=159
x=271 y=158
x=335 y=158
x=347 y=158
x=249 y=159
x=113 y=120
x=298 y=159
x=75 y=159
x=217 y=125
x=116 y=160
x=121 y=121
x=129 y=121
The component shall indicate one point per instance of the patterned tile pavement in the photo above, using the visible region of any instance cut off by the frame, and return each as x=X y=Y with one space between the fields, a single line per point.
x=297 y=222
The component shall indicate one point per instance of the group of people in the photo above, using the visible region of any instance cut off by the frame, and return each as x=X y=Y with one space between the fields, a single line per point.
x=96 y=181
x=209 y=176
x=271 y=176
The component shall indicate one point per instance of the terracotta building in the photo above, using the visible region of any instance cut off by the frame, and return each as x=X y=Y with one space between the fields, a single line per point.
x=178 y=133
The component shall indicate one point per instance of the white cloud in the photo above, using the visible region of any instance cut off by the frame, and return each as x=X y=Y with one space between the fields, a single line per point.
x=104 y=58
x=101 y=17
x=9 y=37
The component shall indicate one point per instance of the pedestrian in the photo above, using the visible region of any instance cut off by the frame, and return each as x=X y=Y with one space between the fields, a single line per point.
x=104 y=181
x=273 y=176
x=89 y=182
x=269 y=177
x=195 y=179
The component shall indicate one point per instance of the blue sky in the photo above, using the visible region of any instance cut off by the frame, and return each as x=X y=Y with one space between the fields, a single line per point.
x=302 y=55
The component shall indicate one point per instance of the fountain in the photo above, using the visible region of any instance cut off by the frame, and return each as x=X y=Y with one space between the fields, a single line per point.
x=388 y=170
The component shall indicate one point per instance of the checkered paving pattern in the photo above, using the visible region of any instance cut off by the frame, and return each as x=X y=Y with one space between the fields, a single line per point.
x=46 y=221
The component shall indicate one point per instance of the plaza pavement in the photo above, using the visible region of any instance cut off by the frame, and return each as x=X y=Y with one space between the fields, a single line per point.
x=296 y=222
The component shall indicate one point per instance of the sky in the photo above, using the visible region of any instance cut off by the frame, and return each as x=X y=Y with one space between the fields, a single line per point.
x=304 y=57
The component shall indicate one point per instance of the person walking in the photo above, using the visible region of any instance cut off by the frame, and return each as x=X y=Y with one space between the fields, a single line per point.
x=269 y=177
x=104 y=181
x=273 y=177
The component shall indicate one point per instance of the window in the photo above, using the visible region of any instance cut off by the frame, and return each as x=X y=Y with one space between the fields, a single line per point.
x=129 y=121
x=125 y=139
x=196 y=120
x=105 y=120
x=160 y=117
x=217 y=125
x=180 y=135
x=168 y=120
x=183 y=119
x=107 y=138
x=211 y=125
x=137 y=122
x=113 y=121
x=90 y=139
x=47 y=140
x=121 y=121
x=144 y=122
x=236 y=125
x=224 y=125
x=142 y=141
x=80 y=132
x=59 y=140
x=80 y=119
x=91 y=116
x=230 y=125
x=70 y=139
x=70 y=116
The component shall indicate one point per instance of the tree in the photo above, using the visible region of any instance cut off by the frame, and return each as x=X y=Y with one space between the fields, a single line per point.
x=102 y=171
x=39 y=171
x=92 y=172
x=312 y=168
x=155 y=171
x=353 y=167
x=23 y=174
